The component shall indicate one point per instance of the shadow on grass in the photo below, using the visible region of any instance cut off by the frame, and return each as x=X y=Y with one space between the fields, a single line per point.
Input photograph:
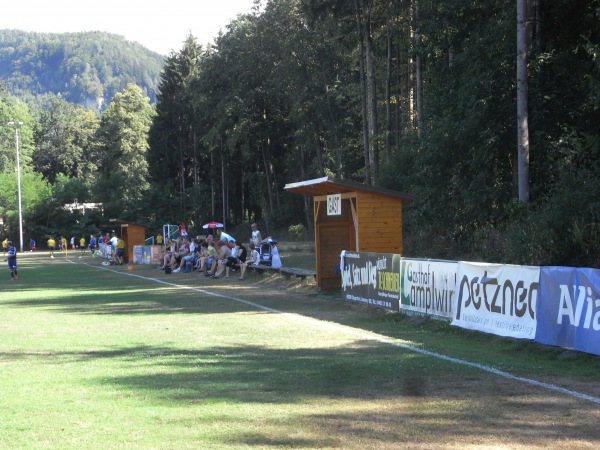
x=371 y=394
x=364 y=395
x=84 y=288
x=335 y=396
x=133 y=302
x=81 y=289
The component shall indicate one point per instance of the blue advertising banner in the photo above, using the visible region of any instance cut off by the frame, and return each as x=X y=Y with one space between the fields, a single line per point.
x=568 y=311
x=138 y=254
x=371 y=278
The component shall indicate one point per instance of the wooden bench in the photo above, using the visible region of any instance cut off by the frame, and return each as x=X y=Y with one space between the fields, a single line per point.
x=288 y=272
x=303 y=274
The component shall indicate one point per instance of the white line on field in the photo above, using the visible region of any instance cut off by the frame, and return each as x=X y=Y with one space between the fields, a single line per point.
x=371 y=336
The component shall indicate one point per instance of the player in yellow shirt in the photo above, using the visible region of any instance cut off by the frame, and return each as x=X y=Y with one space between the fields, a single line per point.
x=120 y=250
x=4 y=245
x=82 y=245
x=51 y=246
x=63 y=243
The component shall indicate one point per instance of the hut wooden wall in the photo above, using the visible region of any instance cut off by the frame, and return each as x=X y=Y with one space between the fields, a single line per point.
x=132 y=235
x=332 y=235
x=379 y=223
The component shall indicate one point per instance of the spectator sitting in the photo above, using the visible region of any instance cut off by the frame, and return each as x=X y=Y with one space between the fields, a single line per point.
x=218 y=266
x=189 y=256
x=252 y=260
x=200 y=253
x=210 y=255
x=183 y=251
x=236 y=260
x=166 y=259
x=172 y=256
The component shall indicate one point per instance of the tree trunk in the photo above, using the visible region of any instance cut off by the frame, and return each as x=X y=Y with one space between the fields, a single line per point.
x=243 y=196
x=522 y=116
x=182 y=179
x=371 y=94
x=538 y=24
x=195 y=144
x=336 y=139
x=388 y=95
x=319 y=152
x=212 y=185
x=418 y=70
x=195 y=199
x=268 y=176
x=363 y=94
x=307 y=202
x=223 y=188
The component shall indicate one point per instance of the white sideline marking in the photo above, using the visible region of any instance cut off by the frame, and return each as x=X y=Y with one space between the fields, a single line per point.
x=371 y=336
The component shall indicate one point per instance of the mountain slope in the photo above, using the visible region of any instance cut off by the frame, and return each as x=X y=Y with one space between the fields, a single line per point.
x=87 y=68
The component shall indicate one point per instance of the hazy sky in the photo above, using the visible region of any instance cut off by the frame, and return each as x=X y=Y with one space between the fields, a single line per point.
x=161 y=26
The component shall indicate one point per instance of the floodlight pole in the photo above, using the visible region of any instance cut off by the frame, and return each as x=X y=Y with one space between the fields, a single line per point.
x=16 y=126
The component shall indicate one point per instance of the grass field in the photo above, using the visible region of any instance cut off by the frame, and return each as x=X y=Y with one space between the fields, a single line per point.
x=94 y=357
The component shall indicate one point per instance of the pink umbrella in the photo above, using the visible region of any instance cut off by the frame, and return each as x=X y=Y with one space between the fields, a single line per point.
x=212 y=225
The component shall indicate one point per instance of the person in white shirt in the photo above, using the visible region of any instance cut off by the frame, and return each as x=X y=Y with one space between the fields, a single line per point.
x=222 y=236
x=256 y=237
x=190 y=256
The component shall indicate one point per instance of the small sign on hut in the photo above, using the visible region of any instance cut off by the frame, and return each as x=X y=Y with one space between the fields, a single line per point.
x=353 y=217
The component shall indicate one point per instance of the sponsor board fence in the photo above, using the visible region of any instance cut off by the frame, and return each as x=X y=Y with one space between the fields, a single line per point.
x=557 y=306
x=147 y=254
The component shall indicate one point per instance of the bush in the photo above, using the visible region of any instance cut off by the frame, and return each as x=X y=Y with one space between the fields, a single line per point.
x=297 y=232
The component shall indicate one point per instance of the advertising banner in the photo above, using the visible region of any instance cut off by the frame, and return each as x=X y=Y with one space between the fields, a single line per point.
x=147 y=254
x=138 y=254
x=497 y=299
x=153 y=255
x=428 y=287
x=105 y=250
x=371 y=278
x=568 y=311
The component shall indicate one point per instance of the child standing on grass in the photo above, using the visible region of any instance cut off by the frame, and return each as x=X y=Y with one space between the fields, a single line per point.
x=82 y=245
x=51 y=245
x=93 y=245
x=12 y=261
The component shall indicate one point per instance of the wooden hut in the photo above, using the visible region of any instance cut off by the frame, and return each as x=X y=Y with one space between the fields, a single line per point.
x=351 y=216
x=132 y=234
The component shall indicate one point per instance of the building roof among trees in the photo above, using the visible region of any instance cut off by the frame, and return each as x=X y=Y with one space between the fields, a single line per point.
x=329 y=186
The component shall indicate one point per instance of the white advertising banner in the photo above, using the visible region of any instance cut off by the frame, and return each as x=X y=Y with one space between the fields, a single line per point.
x=496 y=298
x=428 y=287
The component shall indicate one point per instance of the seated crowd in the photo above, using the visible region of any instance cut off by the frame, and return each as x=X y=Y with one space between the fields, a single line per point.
x=215 y=256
